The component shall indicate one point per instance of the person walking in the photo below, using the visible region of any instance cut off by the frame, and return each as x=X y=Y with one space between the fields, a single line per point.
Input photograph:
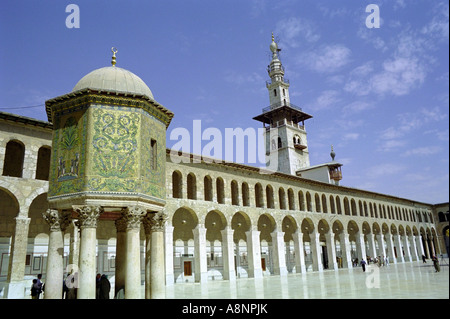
x=363 y=265
x=424 y=259
x=386 y=260
x=436 y=265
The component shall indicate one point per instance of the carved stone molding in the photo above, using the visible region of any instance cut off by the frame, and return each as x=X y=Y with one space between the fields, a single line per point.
x=58 y=221
x=155 y=221
x=132 y=216
x=88 y=215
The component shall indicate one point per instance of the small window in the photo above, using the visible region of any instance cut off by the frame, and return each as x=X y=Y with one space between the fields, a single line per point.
x=275 y=92
x=153 y=154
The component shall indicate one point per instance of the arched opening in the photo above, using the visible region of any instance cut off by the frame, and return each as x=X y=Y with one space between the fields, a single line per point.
x=220 y=190
x=191 y=186
x=177 y=185
x=245 y=195
x=269 y=197
x=234 y=193
x=259 y=198
x=207 y=185
x=14 y=158
x=43 y=163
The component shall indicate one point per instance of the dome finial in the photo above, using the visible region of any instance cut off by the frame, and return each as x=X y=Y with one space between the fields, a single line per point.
x=332 y=154
x=114 y=51
x=273 y=38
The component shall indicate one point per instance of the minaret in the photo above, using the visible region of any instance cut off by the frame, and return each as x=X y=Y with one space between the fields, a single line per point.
x=285 y=134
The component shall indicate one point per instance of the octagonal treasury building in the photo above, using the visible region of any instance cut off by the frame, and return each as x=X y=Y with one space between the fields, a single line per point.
x=94 y=190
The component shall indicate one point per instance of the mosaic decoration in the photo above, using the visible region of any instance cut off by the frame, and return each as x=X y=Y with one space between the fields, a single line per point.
x=67 y=165
x=109 y=149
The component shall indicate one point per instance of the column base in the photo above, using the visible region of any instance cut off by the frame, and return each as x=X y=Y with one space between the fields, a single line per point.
x=202 y=277
x=17 y=289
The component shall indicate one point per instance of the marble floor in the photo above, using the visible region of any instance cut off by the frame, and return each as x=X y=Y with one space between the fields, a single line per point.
x=414 y=280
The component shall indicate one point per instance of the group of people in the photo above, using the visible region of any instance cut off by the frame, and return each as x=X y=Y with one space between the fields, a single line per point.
x=102 y=285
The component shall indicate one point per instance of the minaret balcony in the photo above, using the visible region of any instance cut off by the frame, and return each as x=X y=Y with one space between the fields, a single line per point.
x=299 y=147
x=281 y=104
x=270 y=82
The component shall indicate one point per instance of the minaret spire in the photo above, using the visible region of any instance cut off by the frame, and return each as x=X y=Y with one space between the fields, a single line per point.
x=278 y=87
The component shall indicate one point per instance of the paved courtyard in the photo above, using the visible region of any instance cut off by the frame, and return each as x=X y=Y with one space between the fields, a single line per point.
x=398 y=281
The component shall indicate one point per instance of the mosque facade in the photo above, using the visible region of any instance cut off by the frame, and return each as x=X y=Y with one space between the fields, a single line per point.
x=94 y=190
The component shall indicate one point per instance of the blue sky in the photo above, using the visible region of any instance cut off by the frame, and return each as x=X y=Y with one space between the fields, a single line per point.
x=380 y=95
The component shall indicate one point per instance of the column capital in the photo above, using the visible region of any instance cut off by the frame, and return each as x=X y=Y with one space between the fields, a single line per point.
x=22 y=220
x=155 y=221
x=133 y=216
x=57 y=220
x=88 y=215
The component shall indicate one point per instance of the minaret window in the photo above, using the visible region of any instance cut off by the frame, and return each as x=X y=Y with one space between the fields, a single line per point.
x=275 y=92
x=280 y=144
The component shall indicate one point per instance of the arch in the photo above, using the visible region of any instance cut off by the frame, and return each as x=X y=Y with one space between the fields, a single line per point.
x=240 y=223
x=308 y=202
x=184 y=220
x=37 y=223
x=291 y=199
x=332 y=205
x=266 y=225
x=317 y=201
x=282 y=198
x=259 y=198
x=43 y=163
x=9 y=211
x=177 y=184
x=191 y=186
x=301 y=200
x=234 y=193
x=14 y=158
x=269 y=197
x=207 y=188
x=354 y=209
x=338 y=206
x=245 y=194
x=289 y=227
x=346 y=206
x=215 y=221
x=324 y=204
x=220 y=190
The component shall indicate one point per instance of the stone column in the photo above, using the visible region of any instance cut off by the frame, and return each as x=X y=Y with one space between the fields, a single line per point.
x=254 y=254
x=229 y=272
x=315 y=249
x=121 y=247
x=133 y=217
x=279 y=256
x=201 y=270
x=361 y=246
x=408 y=256
x=419 y=245
x=381 y=245
x=372 y=248
x=299 y=252
x=58 y=222
x=412 y=240
x=87 y=217
x=74 y=245
x=16 y=268
x=390 y=245
x=154 y=255
x=331 y=251
x=398 y=244
x=168 y=254
x=345 y=249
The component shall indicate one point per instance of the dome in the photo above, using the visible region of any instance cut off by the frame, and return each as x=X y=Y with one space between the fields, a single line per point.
x=115 y=79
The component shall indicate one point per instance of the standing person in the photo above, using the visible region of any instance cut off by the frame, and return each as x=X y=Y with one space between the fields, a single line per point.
x=387 y=260
x=436 y=263
x=363 y=265
x=39 y=285
x=105 y=287
x=34 y=290
x=97 y=286
x=424 y=259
